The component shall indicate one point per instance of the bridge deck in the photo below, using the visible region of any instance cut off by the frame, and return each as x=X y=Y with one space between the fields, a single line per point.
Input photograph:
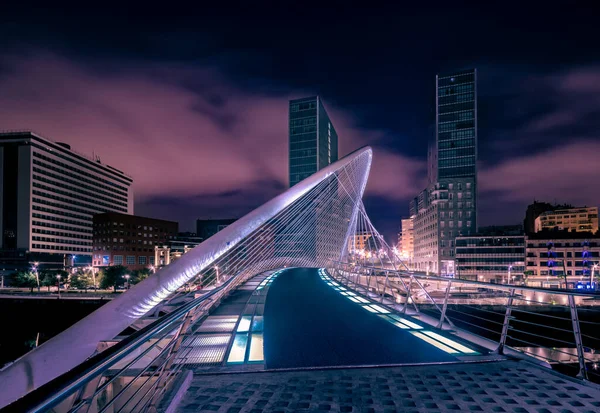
x=505 y=386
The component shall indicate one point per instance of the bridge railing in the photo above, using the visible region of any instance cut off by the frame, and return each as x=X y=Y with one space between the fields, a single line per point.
x=133 y=374
x=558 y=327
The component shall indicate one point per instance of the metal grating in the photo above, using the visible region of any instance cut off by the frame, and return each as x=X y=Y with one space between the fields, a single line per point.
x=204 y=349
x=217 y=324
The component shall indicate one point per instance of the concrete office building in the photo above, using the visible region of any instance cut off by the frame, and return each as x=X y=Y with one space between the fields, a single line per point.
x=313 y=141
x=550 y=257
x=447 y=208
x=49 y=195
x=406 y=249
x=496 y=259
x=129 y=240
x=581 y=219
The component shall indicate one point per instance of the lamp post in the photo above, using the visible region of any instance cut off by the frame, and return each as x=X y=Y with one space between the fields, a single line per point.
x=58 y=285
x=127 y=280
x=37 y=276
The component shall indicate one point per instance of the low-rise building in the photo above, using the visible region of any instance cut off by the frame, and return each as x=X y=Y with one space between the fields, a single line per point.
x=129 y=240
x=494 y=259
x=174 y=248
x=582 y=219
x=553 y=259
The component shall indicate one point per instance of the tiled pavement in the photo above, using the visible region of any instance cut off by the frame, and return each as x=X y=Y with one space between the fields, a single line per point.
x=506 y=386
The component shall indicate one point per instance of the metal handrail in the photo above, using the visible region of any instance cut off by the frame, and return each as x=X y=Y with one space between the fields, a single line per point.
x=54 y=392
x=482 y=284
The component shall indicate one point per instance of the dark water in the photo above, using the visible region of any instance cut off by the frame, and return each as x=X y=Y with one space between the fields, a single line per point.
x=309 y=324
x=22 y=319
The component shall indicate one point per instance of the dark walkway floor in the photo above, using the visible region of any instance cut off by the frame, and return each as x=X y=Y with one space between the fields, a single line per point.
x=308 y=324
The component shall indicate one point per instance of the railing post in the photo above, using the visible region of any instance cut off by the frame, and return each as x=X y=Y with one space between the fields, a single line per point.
x=443 y=315
x=407 y=294
x=578 y=342
x=509 y=303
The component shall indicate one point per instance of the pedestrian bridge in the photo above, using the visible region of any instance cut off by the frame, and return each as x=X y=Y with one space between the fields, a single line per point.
x=288 y=310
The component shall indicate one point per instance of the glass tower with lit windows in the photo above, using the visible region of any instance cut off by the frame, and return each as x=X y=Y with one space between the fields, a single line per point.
x=312 y=138
x=448 y=207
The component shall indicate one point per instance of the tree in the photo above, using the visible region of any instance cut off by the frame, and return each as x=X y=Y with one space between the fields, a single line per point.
x=48 y=277
x=113 y=276
x=82 y=280
x=25 y=279
x=139 y=275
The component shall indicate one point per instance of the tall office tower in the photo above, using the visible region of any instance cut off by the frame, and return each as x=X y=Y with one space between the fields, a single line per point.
x=312 y=138
x=447 y=208
x=50 y=194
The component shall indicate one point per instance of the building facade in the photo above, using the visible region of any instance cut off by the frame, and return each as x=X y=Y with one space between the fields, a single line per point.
x=492 y=259
x=582 y=219
x=549 y=258
x=50 y=194
x=447 y=208
x=206 y=228
x=406 y=248
x=313 y=141
x=129 y=240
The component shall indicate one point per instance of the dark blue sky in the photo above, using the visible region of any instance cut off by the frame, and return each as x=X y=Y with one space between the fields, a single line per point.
x=539 y=93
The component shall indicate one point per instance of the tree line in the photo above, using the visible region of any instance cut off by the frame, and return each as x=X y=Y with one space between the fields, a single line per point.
x=82 y=279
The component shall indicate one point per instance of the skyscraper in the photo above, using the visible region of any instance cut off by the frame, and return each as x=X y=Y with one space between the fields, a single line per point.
x=312 y=138
x=448 y=207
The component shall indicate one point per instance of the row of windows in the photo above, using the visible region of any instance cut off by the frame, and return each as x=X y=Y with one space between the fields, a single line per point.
x=60 y=248
x=496 y=268
x=453 y=172
x=111 y=196
x=490 y=242
x=85 y=166
x=63 y=227
x=456 y=79
x=458 y=125
x=308 y=160
x=299 y=144
x=77 y=193
x=303 y=153
x=127 y=226
x=126 y=241
x=113 y=188
x=60 y=241
x=468 y=87
x=456 y=107
x=311 y=120
x=306 y=169
x=445 y=163
x=463 y=97
x=489 y=251
x=130 y=260
x=302 y=130
x=296 y=107
x=63 y=213
x=452 y=153
x=58 y=219
x=122 y=248
x=462 y=134
x=60 y=234
x=460 y=143
x=453 y=117
x=61 y=206
x=559 y=264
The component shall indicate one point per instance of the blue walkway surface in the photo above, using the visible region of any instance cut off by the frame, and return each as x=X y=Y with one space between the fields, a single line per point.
x=309 y=324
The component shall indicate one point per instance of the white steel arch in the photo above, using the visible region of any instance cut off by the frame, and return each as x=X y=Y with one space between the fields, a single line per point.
x=308 y=225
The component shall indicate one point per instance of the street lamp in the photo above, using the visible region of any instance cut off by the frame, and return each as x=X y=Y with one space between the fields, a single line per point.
x=127 y=279
x=91 y=269
x=58 y=278
x=594 y=267
x=37 y=276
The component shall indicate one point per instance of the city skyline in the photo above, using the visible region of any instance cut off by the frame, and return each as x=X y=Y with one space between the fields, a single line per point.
x=141 y=104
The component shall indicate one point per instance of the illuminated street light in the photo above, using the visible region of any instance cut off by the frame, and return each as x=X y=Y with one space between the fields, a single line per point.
x=37 y=276
x=58 y=278
x=127 y=280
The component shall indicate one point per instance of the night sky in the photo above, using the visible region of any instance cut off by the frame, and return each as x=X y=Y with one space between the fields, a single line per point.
x=192 y=102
